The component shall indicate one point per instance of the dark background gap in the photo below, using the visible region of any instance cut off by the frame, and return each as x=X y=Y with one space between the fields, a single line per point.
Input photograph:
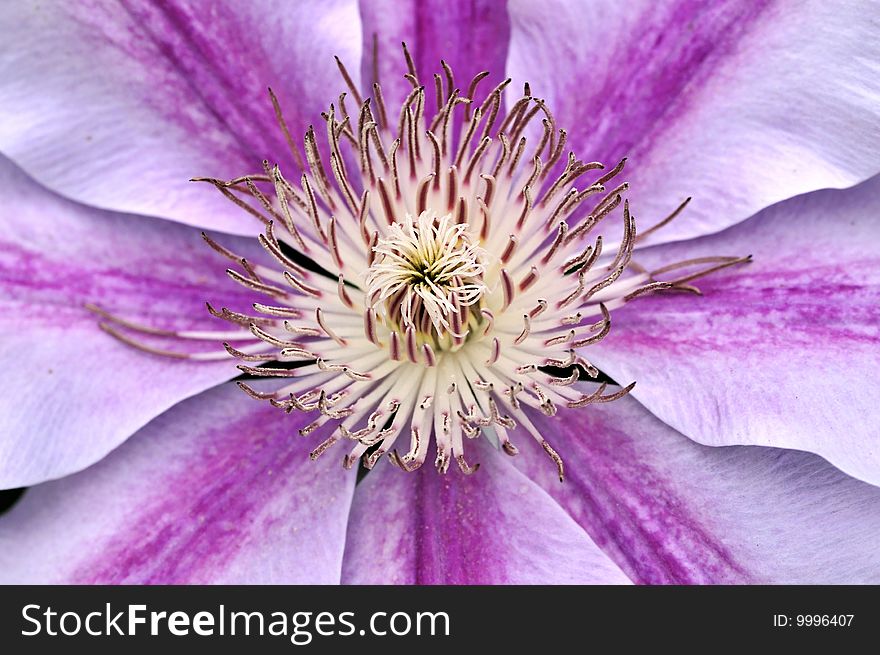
x=8 y=498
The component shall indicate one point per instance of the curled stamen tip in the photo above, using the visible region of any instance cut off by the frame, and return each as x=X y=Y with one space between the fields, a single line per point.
x=510 y=449
x=556 y=459
x=406 y=463
x=465 y=467
x=370 y=462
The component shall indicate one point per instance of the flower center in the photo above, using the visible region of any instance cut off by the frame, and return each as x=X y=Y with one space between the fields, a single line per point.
x=460 y=266
x=427 y=276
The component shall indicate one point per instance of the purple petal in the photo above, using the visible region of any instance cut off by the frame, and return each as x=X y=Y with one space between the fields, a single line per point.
x=217 y=490
x=672 y=511
x=494 y=527
x=781 y=352
x=118 y=104
x=470 y=35
x=739 y=104
x=70 y=392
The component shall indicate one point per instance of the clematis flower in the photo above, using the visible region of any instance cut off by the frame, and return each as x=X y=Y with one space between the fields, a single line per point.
x=456 y=281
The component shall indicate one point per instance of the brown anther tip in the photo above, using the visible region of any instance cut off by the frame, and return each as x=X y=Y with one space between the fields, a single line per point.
x=556 y=459
x=464 y=467
x=395 y=458
x=370 y=462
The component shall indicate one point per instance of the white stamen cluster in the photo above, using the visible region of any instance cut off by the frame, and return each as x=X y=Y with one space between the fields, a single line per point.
x=458 y=274
x=426 y=271
x=456 y=269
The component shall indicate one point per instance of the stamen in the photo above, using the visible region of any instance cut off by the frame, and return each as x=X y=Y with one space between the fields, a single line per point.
x=319 y=317
x=556 y=459
x=279 y=116
x=441 y=278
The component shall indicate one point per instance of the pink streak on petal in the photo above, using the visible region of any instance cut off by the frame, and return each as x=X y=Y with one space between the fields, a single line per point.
x=494 y=527
x=218 y=489
x=119 y=104
x=783 y=351
x=470 y=35
x=668 y=510
x=73 y=393
x=738 y=104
